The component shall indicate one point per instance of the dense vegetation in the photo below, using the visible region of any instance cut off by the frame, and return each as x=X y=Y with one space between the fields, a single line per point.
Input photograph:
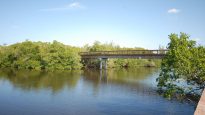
x=57 y=56
x=183 y=66
x=39 y=55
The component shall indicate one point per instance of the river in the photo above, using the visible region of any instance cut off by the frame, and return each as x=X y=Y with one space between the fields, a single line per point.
x=88 y=92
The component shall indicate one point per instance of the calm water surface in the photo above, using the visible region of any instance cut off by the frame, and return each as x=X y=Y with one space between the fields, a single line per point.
x=111 y=92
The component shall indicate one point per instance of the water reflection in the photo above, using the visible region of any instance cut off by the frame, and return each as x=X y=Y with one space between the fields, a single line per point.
x=37 y=80
x=56 y=81
x=119 y=74
x=89 y=92
x=127 y=79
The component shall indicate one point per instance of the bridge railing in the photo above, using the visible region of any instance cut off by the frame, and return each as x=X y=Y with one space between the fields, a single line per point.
x=124 y=52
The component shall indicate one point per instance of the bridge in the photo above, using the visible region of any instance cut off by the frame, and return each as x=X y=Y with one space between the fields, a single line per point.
x=136 y=54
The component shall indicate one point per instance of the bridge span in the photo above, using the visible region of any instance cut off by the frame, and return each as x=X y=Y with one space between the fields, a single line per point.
x=137 y=54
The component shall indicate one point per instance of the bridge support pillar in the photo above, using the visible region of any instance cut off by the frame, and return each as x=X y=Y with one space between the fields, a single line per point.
x=100 y=63
x=103 y=62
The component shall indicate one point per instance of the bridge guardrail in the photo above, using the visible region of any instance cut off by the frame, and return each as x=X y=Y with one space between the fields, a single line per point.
x=124 y=52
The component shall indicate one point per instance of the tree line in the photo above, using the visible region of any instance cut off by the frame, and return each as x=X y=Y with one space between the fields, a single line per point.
x=57 y=56
x=39 y=56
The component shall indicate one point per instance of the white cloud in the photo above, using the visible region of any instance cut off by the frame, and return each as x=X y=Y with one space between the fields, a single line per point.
x=74 y=5
x=173 y=11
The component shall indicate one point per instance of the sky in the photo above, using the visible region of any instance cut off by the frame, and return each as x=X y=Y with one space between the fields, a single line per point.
x=128 y=23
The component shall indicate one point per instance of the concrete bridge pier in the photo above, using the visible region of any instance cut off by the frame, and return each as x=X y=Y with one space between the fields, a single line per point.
x=103 y=61
x=100 y=63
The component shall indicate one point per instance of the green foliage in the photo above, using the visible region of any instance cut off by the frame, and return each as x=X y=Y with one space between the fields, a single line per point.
x=39 y=55
x=97 y=46
x=57 y=56
x=184 y=61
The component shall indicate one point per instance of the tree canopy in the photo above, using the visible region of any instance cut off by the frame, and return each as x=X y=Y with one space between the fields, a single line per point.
x=39 y=55
x=57 y=56
x=184 y=62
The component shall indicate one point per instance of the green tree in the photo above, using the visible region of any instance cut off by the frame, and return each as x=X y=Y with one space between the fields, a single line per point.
x=40 y=55
x=184 y=61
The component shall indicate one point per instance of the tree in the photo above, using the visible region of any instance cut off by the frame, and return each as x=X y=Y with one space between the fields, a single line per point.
x=40 y=55
x=185 y=61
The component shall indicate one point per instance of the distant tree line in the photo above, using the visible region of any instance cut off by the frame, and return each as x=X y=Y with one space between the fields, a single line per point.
x=57 y=56
x=40 y=55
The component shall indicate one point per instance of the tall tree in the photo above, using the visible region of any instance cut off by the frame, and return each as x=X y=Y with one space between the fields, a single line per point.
x=184 y=61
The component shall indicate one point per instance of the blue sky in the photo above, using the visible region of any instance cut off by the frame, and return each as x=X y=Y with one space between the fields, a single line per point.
x=128 y=23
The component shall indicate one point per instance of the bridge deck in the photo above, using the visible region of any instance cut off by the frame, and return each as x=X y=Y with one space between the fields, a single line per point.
x=140 y=54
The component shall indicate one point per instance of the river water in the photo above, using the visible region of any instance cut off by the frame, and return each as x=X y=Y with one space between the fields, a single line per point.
x=88 y=92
